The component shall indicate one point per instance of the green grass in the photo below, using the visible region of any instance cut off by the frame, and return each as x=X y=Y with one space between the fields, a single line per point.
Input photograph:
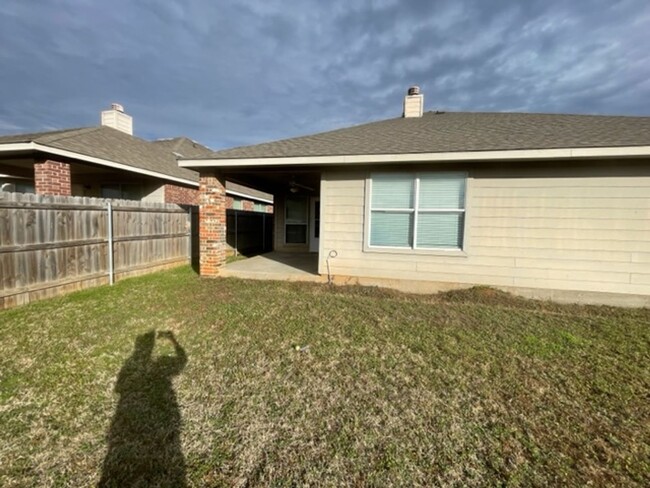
x=462 y=389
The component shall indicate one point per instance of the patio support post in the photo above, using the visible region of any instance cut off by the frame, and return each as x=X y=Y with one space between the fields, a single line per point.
x=212 y=223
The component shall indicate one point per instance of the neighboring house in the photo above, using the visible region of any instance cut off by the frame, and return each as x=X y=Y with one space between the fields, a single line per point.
x=535 y=203
x=108 y=161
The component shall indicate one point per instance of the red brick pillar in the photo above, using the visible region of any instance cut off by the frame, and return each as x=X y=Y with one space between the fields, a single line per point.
x=212 y=223
x=52 y=178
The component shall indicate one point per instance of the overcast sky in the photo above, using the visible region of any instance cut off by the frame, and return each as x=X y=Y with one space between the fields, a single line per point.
x=228 y=73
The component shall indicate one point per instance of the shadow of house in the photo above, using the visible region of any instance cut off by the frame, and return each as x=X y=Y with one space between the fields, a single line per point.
x=144 y=446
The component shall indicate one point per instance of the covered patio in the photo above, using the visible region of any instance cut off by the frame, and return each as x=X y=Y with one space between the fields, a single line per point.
x=286 y=266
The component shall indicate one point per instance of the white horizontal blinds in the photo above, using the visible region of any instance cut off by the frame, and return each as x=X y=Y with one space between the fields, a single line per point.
x=442 y=190
x=441 y=206
x=440 y=230
x=432 y=219
x=392 y=210
x=391 y=229
x=392 y=191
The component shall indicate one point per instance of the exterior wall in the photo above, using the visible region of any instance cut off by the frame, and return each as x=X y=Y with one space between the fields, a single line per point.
x=154 y=193
x=52 y=178
x=583 y=228
x=181 y=195
x=279 y=218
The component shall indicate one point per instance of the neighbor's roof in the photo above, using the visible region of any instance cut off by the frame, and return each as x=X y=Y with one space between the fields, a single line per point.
x=112 y=145
x=457 y=132
x=184 y=147
x=160 y=156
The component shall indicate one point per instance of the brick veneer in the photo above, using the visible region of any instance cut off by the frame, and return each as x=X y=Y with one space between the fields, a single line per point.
x=212 y=224
x=52 y=178
x=181 y=195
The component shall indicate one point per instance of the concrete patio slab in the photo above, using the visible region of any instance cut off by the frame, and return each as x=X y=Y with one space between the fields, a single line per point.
x=276 y=266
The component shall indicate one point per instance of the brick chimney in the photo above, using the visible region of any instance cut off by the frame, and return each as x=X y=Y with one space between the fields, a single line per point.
x=413 y=103
x=117 y=119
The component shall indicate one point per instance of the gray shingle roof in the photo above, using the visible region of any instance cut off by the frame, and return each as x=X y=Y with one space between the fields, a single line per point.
x=184 y=147
x=187 y=148
x=458 y=132
x=107 y=143
x=113 y=145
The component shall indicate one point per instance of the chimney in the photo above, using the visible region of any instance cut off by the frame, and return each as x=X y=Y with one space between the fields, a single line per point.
x=413 y=103
x=117 y=119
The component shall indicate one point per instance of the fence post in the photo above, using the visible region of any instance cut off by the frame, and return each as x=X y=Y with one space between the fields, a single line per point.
x=111 y=270
x=189 y=237
x=236 y=234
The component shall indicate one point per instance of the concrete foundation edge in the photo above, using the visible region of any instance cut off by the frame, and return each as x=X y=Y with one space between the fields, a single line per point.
x=559 y=296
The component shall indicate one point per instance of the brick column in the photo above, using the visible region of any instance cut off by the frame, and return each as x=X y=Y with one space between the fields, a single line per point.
x=212 y=223
x=52 y=178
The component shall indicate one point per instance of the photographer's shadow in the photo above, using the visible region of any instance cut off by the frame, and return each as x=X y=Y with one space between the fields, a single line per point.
x=144 y=446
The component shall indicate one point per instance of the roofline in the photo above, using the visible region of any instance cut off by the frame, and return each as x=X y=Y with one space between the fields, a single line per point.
x=34 y=146
x=514 y=154
x=249 y=196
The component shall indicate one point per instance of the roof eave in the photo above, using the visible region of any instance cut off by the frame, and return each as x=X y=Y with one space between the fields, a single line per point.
x=473 y=156
x=33 y=146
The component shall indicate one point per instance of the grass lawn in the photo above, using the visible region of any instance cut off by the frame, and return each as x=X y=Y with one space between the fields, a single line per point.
x=468 y=388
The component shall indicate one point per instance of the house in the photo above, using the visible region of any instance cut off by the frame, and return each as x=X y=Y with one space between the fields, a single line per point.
x=554 y=206
x=109 y=161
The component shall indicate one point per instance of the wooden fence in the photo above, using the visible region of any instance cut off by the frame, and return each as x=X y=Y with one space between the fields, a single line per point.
x=51 y=245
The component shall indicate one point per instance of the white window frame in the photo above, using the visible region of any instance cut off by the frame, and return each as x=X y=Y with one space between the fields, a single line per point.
x=367 y=247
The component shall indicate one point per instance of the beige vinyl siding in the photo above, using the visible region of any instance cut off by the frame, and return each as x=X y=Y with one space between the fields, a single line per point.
x=576 y=228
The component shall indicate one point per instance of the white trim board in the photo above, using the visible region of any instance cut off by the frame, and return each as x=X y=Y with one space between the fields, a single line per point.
x=518 y=154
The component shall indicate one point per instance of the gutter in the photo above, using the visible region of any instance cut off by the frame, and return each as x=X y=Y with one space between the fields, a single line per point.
x=465 y=156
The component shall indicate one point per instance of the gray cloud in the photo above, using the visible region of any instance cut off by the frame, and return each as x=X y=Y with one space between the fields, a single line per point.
x=240 y=72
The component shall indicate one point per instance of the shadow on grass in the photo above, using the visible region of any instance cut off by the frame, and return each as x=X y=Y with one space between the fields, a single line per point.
x=144 y=446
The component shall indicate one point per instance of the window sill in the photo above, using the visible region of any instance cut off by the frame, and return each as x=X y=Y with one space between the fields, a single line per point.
x=459 y=253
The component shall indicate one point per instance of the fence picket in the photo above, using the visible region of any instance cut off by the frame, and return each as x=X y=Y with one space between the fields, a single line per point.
x=51 y=245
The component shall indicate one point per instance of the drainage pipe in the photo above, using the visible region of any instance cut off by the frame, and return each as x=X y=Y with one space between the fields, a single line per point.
x=332 y=254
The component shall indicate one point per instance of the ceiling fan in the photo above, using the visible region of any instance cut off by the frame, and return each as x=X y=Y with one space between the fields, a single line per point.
x=294 y=187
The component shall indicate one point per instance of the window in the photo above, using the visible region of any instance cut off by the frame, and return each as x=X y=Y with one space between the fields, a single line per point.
x=295 y=223
x=417 y=210
x=260 y=207
x=123 y=191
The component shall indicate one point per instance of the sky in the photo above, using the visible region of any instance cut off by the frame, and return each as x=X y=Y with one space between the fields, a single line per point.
x=230 y=73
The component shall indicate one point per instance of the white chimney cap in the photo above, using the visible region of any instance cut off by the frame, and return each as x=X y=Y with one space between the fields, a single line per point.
x=117 y=106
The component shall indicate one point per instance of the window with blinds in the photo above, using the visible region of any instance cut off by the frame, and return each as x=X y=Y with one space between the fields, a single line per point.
x=417 y=210
x=295 y=221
